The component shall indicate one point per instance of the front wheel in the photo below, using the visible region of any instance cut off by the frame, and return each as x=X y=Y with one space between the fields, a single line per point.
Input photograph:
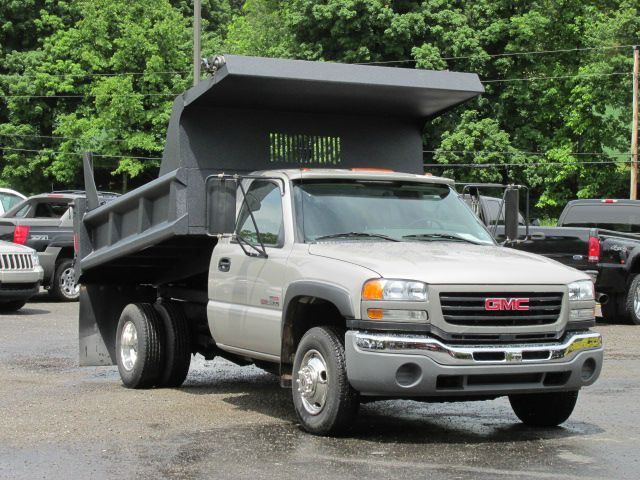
x=324 y=400
x=544 y=409
x=64 y=287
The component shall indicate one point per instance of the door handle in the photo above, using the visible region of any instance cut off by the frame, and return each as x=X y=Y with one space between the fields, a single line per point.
x=224 y=265
x=538 y=236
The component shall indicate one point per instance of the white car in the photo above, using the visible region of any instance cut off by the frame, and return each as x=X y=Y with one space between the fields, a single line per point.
x=20 y=275
x=8 y=199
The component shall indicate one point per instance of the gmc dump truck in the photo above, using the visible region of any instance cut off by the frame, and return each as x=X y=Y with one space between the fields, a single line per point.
x=292 y=227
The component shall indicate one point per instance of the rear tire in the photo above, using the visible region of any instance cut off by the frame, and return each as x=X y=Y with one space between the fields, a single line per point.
x=544 y=409
x=610 y=310
x=325 y=402
x=64 y=287
x=12 y=306
x=139 y=346
x=632 y=302
x=177 y=352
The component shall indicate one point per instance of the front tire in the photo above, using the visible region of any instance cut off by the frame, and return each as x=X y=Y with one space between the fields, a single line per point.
x=632 y=303
x=325 y=402
x=139 y=346
x=544 y=409
x=64 y=287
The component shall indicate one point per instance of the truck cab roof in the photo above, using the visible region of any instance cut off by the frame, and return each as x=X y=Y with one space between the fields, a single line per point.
x=363 y=173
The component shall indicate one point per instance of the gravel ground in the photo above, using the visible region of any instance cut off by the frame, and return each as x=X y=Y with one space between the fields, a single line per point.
x=58 y=420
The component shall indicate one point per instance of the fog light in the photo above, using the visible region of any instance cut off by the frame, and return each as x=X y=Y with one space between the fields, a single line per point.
x=582 y=314
x=408 y=375
x=588 y=369
x=385 y=315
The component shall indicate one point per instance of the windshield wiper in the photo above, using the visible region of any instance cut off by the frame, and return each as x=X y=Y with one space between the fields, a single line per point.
x=440 y=236
x=356 y=235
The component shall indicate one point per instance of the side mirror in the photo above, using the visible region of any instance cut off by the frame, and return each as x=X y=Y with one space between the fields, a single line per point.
x=535 y=222
x=221 y=205
x=511 y=211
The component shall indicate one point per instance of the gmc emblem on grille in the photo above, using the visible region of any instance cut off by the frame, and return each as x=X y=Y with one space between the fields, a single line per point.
x=495 y=304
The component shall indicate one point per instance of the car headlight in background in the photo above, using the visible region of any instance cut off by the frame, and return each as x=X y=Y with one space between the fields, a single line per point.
x=35 y=260
x=581 y=290
x=395 y=290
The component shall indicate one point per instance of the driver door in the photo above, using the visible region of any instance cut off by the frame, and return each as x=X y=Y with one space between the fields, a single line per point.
x=246 y=291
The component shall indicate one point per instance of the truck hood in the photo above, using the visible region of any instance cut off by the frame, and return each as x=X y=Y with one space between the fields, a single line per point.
x=450 y=262
x=8 y=247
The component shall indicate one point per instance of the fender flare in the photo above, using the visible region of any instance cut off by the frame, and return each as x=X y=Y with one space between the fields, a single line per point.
x=338 y=296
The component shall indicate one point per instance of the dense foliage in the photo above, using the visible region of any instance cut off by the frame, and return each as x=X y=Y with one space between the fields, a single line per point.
x=542 y=117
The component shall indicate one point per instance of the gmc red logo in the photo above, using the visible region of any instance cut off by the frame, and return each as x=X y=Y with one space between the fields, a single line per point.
x=494 y=304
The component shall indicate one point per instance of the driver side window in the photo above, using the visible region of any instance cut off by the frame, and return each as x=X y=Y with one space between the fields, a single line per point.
x=265 y=202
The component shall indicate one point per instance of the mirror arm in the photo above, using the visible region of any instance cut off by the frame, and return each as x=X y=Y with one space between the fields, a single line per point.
x=262 y=252
x=243 y=241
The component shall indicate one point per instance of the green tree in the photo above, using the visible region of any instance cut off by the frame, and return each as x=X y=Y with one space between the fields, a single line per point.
x=552 y=107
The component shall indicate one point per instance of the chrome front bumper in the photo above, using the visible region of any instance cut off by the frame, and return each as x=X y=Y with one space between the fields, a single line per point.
x=562 y=351
x=419 y=366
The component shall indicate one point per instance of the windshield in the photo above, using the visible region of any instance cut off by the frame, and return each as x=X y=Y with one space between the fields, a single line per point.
x=366 y=210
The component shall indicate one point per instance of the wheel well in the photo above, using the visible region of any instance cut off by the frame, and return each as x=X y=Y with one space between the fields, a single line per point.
x=634 y=268
x=64 y=254
x=302 y=314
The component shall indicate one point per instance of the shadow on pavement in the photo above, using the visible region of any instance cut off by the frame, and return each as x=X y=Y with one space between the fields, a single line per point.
x=26 y=311
x=390 y=421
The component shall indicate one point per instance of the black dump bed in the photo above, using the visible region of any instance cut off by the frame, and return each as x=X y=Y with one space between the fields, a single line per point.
x=259 y=114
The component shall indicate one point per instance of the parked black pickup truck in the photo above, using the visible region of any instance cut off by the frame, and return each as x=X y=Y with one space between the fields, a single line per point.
x=600 y=237
x=45 y=223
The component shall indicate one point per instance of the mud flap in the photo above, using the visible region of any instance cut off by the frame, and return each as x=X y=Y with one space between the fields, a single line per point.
x=100 y=309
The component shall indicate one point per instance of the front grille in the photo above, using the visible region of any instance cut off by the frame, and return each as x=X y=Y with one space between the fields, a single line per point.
x=16 y=261
x=468 y=309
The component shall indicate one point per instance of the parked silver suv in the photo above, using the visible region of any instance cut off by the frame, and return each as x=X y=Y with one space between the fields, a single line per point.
x=20 y=275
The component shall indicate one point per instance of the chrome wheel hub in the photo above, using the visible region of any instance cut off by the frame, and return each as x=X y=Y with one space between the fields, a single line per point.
x=129 y=346
x=313 y=382
x=68 y=283
x=636 y=302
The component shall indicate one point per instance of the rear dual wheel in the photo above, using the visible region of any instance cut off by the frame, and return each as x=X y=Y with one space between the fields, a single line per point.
x=624 y=307
x=153 y=345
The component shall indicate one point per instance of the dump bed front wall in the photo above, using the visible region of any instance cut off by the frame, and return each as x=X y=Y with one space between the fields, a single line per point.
x=239 y=140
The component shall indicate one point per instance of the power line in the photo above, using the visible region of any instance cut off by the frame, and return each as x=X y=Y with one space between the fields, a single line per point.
x=60 y=137
x=533 y=79
x=525 y=153
x=119 y=95
x=87 y=74
x=457 y=152
x=113 y=95
x=536 y=164
x=27 y=150
x=498 y=55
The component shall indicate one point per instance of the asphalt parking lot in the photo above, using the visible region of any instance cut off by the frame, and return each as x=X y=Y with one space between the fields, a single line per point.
x=61 y=421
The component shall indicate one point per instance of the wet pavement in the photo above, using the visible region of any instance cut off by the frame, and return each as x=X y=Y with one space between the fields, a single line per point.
x=61 y=421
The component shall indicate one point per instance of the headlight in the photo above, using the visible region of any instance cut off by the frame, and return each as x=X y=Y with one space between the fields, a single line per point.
x=35 y=260
x=398 y=290
x=581 y=290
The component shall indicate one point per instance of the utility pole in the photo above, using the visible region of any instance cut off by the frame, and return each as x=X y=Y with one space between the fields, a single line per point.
x=197 y=15
x=634 y=127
